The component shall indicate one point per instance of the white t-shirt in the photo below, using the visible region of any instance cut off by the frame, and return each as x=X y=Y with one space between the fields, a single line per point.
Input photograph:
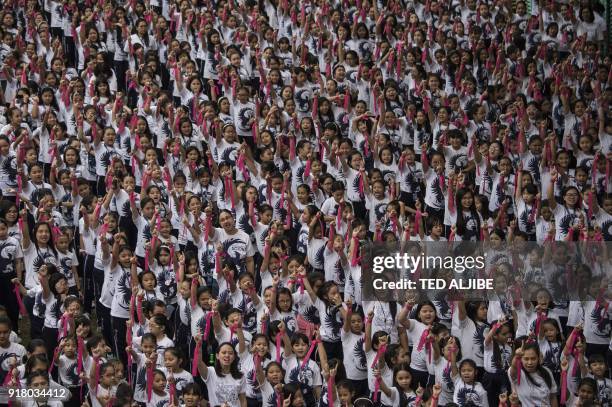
x=108 y=286
x=536 y=394
x=355 y=363
x=331 y=323
x=471 y=337
x=237 y=247
x=34 y=258
x=597 y=326
x=54 y=309
x=67 y=261
x=308 y=377
x=14 y=353
x=443 y=374
x=418 y=358
x=224 y=389
x=10 y=250
x=68 y=373
x=472 y=392
x=120 y=306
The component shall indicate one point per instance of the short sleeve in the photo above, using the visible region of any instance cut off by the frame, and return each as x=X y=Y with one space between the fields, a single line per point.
x=75 y=259
x=209 y=377
x=250 y=249
x=18 y=251
x=241 y=384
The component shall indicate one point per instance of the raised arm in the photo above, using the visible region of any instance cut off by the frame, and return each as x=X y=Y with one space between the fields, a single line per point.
x=307 y=286
x=25 y=231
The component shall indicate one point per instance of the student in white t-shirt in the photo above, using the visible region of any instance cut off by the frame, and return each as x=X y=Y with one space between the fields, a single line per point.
x=226 y=384
x=401 y=394
x=352 y=338
x=537 y=386
x=467 y=389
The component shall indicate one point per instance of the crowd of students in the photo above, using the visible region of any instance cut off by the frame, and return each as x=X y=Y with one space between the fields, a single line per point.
x=188 y=186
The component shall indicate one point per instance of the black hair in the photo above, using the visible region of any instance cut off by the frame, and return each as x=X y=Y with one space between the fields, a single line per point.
x=234 y=371
x=554 y=323
x=589 y=381
x=149 y=337
x=36 y=374
x=6 y=321
x=33 y=360
x=35 y=343
x=290 y=389
x=597 y=358
x=421 y=305
x=444 y=341
x=541 y=370
x=461 y=221
x=403 y=401
x=391 y=353
x=94 y=341
x=124 y=392
x=193 y=388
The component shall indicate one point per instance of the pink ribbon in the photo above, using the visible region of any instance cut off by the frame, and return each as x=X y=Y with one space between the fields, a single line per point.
x=218 y=262
x=355 y=254
x=376 y=390
x=576 y=355
x=256 y=365
x=229 y=190
x=381 y=351
x=361 y=184
x=288 y=218
x=139 y=310
x=56 y=353
x=423 y=340
x=279 y=398
x=563 y=387
x=80 y=350
x=196 y=359
x=96 y=375
x=330 y=391
x=172 y=392
x=278 y=347
x=128 y=339
x=149 y=381
x=209 y=317
x=22 y=308
x=313 y=344
x=63 y=332
x=194 y=282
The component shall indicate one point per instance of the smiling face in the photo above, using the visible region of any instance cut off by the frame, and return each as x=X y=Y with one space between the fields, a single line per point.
x=427 y=314
x=226 y=355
